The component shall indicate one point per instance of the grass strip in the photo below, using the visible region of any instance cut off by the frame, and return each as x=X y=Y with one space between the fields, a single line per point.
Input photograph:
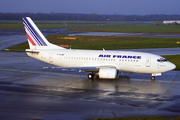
x=109 y=42
x=146 y=28
x=13 y=24
x=42 y=26
x=174 y=59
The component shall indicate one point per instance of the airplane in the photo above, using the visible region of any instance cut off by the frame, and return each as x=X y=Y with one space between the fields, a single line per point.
x=104 y=64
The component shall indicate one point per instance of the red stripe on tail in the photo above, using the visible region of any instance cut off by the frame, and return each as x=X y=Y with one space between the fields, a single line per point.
x=29 y=38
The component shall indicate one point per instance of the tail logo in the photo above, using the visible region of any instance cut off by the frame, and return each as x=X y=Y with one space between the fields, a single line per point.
x=33 y=33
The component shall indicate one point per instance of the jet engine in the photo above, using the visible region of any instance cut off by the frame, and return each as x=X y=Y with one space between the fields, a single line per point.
x=108 y=73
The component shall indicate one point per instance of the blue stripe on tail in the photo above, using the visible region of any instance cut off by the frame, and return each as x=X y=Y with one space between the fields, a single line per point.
x=38 y=39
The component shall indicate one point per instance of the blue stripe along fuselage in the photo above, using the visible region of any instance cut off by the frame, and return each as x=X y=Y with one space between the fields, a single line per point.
x=120 y=56
x=34 y=33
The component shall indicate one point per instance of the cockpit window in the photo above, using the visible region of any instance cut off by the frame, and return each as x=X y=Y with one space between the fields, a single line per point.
x=161 y=60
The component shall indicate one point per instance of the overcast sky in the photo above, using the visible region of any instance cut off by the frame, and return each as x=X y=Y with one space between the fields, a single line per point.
x=123 y=7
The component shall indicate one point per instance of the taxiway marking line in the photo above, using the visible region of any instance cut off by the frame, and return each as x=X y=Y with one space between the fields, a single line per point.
x=38 y=72
x=8 y=69
x=34 y=72
x=162 y=81
x=12 y=57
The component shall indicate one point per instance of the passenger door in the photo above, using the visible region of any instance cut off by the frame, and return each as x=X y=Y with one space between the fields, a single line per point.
x=148 y=61
x=51 y=57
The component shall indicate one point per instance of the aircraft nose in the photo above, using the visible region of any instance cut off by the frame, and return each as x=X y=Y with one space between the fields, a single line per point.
x=172 y=66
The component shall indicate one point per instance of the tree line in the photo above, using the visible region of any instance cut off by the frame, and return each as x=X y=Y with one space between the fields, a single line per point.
x=87 y=17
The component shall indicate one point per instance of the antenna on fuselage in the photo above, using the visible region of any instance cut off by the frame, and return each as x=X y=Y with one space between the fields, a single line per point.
x=104 y=49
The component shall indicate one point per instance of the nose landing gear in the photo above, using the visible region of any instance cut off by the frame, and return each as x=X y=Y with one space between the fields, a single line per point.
x=155 y=74
x=153 y=79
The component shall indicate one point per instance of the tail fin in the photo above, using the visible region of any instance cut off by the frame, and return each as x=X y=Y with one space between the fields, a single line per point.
x=35 y=38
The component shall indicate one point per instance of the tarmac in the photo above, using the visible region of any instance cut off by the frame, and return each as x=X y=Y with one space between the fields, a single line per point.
x=29 y=92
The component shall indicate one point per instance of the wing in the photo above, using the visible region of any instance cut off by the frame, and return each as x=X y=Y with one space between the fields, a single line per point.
x=87 y=69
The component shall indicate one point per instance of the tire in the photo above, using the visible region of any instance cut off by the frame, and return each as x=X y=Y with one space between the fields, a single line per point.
x=152 y=78
x=90 y=76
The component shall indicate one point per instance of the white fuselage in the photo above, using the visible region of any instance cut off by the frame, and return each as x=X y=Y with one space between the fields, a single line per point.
x=124 y=61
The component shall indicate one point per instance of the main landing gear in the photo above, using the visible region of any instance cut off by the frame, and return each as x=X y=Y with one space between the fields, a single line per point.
x=91 y=76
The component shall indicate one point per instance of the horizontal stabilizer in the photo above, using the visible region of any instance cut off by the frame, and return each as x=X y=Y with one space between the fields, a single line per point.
x=13 y=50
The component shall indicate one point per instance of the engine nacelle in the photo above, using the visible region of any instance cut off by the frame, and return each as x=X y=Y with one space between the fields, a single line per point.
x=108 y=73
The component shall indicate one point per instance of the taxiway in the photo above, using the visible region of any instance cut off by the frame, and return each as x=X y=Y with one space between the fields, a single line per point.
x=27 y=91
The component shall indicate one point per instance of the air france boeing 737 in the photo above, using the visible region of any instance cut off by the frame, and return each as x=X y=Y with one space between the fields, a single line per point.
x=103 y=64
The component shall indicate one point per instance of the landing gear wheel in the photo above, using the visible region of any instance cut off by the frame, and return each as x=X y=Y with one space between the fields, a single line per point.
x=90 y=76
x=153 y=78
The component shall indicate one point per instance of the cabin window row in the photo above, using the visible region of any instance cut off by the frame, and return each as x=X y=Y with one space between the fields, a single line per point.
x=98 y=59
